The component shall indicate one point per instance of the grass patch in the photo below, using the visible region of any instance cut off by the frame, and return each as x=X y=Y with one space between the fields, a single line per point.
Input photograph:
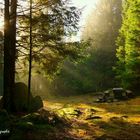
x=118 y=129
x=130 y=107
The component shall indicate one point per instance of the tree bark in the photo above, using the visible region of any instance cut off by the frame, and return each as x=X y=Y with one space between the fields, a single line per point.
x=6 y=95
x=9 y=53
x=30 y=58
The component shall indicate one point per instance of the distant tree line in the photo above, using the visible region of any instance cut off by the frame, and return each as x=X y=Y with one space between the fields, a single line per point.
x=95 y=73
x=114 y=55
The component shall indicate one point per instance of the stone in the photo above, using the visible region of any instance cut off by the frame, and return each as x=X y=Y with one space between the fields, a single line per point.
x=36 y=103
x=119 y=93
x=93 y=117
x=129 y=94
x=21 y=97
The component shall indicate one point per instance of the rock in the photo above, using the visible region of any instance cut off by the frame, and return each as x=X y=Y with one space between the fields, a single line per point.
x=129 y=94
x=25 y=126
x=21 y=97
x=114 y=118
x=93 y=110
x=107 y=92
x=52 y=118
x=93 y=117
x=36 y=103
x=125 y=117
x=78 y=112
x=115 y=95
x=34 y=117
x=119 y=93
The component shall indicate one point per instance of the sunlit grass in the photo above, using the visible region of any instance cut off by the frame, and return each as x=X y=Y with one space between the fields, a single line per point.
x=130 y=107
x=90 y=119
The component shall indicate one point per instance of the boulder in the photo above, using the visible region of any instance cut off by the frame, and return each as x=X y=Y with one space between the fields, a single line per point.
x=21 y=99
x=119 y=93
x=36 y=103
x=114 y=95
x=129 y=94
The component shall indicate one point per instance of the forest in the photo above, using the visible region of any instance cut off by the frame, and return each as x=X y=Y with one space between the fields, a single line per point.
x=69 y=75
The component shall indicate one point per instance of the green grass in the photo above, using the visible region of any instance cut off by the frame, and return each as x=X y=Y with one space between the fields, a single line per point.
x=130 y=107
x=119 y=129
x=118 y=120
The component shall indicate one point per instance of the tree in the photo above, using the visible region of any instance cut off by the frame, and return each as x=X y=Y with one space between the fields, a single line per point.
x=30 y=58
x=95 y=73
x=9 y=52
x=1 y=63
x=105 y=24
x=128 y=52
x=52 y=22
x=74 y=75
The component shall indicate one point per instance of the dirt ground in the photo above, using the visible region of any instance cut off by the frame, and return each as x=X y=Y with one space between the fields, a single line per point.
x=103 y=121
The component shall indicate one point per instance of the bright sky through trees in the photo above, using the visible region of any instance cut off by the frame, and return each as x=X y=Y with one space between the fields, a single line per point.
x=87 y=6
x=1 y=15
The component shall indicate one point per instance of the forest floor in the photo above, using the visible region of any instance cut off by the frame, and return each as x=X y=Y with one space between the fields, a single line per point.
x=76 y=118
x=100 y=121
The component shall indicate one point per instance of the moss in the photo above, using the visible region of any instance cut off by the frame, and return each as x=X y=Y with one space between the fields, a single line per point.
x=22 y=125
x=44 y=127
x=34 y=117
x=5 y=122
x=36 y=103
x=17 y=135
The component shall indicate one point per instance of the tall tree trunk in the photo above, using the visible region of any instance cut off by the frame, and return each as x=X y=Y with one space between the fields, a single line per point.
x=30 y=58
x=6 y=95
x=13 y=17
x=9 y=53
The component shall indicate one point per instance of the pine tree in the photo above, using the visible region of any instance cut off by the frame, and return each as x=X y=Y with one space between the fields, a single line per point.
x=9 y=53
x=128 y=52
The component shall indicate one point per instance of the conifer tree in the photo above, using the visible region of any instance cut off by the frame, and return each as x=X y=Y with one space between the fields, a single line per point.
x=128 y=52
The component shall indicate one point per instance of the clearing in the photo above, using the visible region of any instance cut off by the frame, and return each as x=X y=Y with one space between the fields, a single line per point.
x=90 y=120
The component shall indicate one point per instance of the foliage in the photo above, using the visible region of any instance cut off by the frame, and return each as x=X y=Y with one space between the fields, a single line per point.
x=128 y=52
x=52 y=22
x=105 y=23
x=95 y=73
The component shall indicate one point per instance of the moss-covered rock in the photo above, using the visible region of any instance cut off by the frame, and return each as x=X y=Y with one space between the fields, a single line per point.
x=25 y=125
x=36 y=103
x=21 y=99
x=33 y=117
